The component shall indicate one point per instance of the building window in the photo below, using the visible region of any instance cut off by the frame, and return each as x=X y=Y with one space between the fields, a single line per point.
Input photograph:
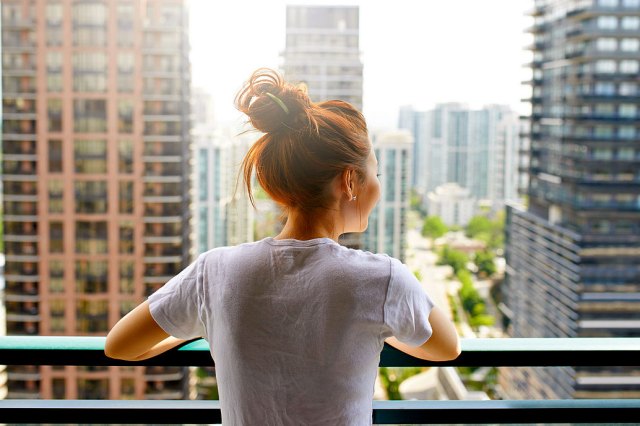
x=56 y=194
x=127 y=277
x=91 y=197
x=628 y=89
x=125 y=242
x=90 y=115
x=608 y=3
x=91 y=237
x=606 y=44
x=126 y=64
x=57 y=309
x=56 y=237
x=89 y=14
x=630 y=23
x=125 y=156
x=54 y=16
x=626 y=154
x=90 y=72
x=125 y=13
x=54 y=71
x=92 y=317
x=605 y=89
x=58 y=387
x=630 y=44
x=91 y=276
x=605 y=66
x=607 y=22
x=90 y=156
x=626 y=132
x=627 y=110
x=630 y=4
x=56 y=276
x=55 y=156
x=629 y=67
x=125 y=197
x=54 y=115
x=125 y=116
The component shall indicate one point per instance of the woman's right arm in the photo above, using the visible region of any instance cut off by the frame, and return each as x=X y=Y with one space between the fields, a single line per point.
x=443 y=345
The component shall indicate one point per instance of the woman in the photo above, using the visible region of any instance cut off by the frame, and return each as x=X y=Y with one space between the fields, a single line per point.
x=296 y=322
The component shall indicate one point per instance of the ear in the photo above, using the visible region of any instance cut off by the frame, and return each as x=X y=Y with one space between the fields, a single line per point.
x=347 y=182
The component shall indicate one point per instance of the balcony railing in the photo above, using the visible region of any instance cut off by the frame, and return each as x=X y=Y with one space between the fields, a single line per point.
x=88 y=351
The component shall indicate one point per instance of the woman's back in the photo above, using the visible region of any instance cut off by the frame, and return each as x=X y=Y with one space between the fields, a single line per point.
x=296 y=327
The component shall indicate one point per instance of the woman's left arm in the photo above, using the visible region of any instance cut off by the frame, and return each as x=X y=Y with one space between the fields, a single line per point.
x=138 y=336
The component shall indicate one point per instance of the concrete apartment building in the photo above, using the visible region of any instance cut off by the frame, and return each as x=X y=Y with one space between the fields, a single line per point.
x=322 y=51
x=572 y=256
x=95 y=173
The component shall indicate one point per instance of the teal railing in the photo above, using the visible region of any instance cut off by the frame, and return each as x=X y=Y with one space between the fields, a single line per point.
x=88 y=351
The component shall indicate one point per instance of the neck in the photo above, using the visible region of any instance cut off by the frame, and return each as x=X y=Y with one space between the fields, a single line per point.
x=301 y=226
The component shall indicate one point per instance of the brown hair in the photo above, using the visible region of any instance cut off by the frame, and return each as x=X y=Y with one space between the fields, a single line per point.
x=305 y=145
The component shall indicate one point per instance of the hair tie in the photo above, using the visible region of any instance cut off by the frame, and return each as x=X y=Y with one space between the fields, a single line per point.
x=278 y=101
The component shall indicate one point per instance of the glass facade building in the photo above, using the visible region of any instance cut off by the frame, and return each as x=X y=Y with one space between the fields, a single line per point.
x=387 y=230
x=95 y=150
x=573 y=256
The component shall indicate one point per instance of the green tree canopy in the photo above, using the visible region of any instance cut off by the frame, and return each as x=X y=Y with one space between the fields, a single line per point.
x=434 y=227
x=489 y=231
x=485 y=261
x=456 y=259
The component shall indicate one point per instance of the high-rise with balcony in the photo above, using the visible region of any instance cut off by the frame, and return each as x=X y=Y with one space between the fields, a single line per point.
x=95 y=100
x=573 y=268
x=323 y=51
x=387 y=230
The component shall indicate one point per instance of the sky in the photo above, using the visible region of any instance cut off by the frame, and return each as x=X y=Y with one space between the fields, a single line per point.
x=414 y=52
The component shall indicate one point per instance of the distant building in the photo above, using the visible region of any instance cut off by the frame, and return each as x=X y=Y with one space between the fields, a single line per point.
x=478 y=149
x=323 y=51
x=387 y=231
x=96 y=165
x=573 y=266
x=452 y=203
x=223 y=214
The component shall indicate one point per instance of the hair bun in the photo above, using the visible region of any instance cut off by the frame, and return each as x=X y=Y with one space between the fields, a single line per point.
x=271 y=104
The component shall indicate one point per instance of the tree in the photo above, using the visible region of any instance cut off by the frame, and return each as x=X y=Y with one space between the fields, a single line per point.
x=489 y=231
x=456 y=259
x=479 y=227
x=434 y=227
x=485 y=261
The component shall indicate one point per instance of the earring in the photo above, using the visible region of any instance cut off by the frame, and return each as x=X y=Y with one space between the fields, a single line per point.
x=353 y=198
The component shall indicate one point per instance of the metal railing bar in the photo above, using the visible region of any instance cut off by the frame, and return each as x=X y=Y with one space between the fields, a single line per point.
x=384 y=412
x=66 y=350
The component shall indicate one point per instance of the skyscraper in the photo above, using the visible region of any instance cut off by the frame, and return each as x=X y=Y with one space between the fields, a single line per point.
x=323 y=52
x=477 y=149
x=572 y=257
x=95 y=98
x=387 y=230
x=223 y=213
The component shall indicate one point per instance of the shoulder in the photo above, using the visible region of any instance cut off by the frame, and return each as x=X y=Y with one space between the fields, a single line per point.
x=364 y=262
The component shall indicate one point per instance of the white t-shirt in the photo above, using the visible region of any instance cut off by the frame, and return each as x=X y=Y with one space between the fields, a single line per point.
x=295 y=327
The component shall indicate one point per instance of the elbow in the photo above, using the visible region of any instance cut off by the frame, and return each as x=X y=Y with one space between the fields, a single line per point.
x=116 y=351
x=449 y=353
x=454 y=352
